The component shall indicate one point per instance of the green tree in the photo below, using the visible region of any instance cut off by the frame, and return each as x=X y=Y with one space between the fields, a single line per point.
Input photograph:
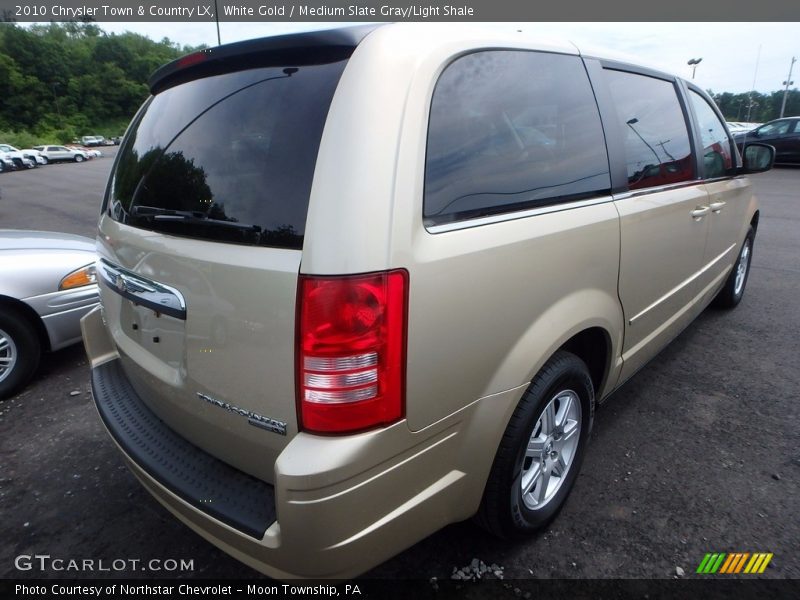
x=63 y=80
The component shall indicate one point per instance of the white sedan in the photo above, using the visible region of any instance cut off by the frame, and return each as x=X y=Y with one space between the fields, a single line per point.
x=47 y=283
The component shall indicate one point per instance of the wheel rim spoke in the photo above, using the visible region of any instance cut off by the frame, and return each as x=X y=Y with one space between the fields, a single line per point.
x=565 y=403
x=535 y=448
x=741 y=269
x=8 y=355
x=530 y=478
x=549 y=419
x=570 y=429
x=560 y=466
x=540 y=494
x=551 y=449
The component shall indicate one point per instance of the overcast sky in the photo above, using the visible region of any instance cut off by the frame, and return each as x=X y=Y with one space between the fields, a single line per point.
x=730 y=51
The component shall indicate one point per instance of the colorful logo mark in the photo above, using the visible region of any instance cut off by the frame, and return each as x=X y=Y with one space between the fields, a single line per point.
x=735 y=562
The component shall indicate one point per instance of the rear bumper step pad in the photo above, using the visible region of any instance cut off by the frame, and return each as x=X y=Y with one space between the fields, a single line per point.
x=208 y=484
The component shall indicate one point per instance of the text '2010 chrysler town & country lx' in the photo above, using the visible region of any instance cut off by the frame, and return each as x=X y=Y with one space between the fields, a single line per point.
x=362 y=283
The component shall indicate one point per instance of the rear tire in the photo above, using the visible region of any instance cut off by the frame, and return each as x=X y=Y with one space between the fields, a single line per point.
x=732 y=292
x=78 y=158
x=541 y=451
x=20 y=351
x=45 y=159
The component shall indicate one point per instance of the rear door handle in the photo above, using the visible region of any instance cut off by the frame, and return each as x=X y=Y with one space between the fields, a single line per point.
x=700 y=212
x=717 y=206
x=140 y=290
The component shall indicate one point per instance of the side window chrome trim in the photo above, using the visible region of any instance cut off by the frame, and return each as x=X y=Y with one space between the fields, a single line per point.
x=717 y=179
x=661 y=188
x=513 y=216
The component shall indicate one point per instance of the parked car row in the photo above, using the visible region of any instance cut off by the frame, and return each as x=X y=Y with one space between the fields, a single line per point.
x=98 y=140
x=12 y=159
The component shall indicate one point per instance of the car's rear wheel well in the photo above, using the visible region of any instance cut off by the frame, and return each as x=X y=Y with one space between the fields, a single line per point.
x=593 y=347
x=8 y=303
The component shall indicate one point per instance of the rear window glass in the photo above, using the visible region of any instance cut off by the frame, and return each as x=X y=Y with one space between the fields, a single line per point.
x=511 y=130
x=228 y=158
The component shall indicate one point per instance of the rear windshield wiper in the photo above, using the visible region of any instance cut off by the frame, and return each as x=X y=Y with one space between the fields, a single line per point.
x=188 y=216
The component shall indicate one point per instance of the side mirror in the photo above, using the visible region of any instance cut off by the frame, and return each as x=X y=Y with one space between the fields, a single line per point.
x=757 y=158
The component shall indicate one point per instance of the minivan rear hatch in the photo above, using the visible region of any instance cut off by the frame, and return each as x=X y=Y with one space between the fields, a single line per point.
x=201 y=238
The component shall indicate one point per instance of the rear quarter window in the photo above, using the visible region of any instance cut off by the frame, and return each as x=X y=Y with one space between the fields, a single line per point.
x=511 y=130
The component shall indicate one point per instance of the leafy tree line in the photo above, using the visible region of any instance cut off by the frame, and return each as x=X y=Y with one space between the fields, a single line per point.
x=64 y=80
x=757 y=107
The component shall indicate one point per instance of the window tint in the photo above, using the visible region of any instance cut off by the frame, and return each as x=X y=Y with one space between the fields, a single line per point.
x=657 y=148
x=717 y=157
x=511 y=130
x=776 y=128
x=227 y=158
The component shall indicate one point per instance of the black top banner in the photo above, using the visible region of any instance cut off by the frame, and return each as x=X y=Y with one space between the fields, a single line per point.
x=198 y=11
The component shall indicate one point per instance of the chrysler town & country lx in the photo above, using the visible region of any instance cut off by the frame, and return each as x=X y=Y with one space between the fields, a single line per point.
x=362 y=283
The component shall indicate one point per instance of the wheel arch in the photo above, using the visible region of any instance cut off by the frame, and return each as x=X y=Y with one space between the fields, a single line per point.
x=6 y=302
x=588 y=323
x=593 y=347
x=591 y=326
x=754 y=221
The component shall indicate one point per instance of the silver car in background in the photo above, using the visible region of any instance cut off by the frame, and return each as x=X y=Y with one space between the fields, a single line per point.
x=47 y=284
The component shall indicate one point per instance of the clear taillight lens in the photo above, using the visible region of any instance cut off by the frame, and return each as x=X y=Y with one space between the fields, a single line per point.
x=351 y=351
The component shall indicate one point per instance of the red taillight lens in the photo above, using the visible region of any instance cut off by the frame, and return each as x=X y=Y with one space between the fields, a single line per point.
x=351 y=349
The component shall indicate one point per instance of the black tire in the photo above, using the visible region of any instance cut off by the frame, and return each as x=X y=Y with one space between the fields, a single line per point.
x=45 y=159
x=18 y=337
x=32 y=164
x=18 y=164
x=503 y=511
x=731 y=293
x=78 y=158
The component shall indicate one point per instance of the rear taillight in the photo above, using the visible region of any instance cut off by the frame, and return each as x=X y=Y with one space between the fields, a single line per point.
x=351 y=346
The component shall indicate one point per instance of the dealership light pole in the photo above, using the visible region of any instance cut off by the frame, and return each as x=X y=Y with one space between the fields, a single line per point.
x=216 y=18
x=787 y=83
x=693 y=62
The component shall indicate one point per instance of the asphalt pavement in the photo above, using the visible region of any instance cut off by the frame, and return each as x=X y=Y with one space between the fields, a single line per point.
x=698 y=453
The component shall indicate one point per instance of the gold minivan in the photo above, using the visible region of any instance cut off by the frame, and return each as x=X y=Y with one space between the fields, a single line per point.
x=358 y=284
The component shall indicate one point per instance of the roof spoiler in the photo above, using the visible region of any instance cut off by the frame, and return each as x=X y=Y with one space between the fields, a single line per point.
x=313 y=47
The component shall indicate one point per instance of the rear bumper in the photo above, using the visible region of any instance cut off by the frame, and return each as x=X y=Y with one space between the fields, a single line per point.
x=340 y=505
x=197 y=478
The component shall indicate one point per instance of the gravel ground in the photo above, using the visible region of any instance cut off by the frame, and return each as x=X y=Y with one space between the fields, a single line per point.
x=698 y=453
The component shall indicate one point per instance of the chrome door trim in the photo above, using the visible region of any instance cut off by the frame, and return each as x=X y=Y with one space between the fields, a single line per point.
x=140 y=290
x=518 y=214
